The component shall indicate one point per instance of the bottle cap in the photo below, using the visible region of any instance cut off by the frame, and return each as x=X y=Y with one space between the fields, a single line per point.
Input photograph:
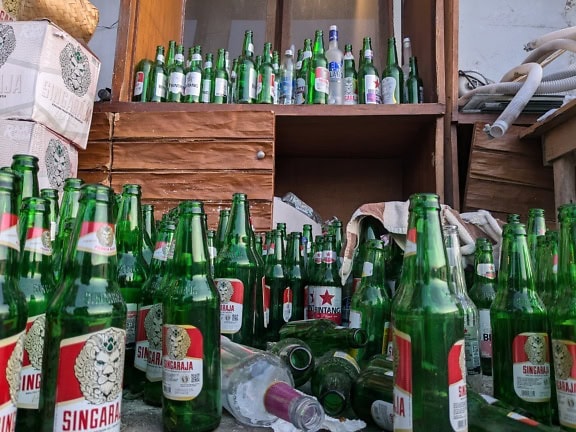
x=333 y=27
x=288 y=52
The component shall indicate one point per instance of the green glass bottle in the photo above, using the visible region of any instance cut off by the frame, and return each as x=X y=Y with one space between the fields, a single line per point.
x=368 y=77
x=323 y=335
x=132 y=273
x=159 y=78
x=370 y=307
x=332 y=380
x=414 y=87
x=372 y=396
x=247 y=72
x=84 y=342
x=13 y=309
x=191 y=331
x=170 y=54
x=318 y=75
x=233 y=82
x=259 y=244
x=428 y=330
x=142 y=76
x=370 y=229
x=297 y=356
x=207 y=79
x=276 y=69
x=212 y=251
x=194 y=76
x=535 y=227
x=307 y=240
x=149 y=334
x=312 y=276
x=176 y=77
x=148 y=233
x=281 y=294
x=350 y=77
x=520 y=345
x=224 y=216
x=26 y=166
x=281 y=226
x=295 y=274
x=239 y=278
x=302 y=82
x=51 y=195
x=392 y=77
x=482 y=293
x=328 y=287
x=549 y=289
x=36 y=281
x=219 y=90
x=266 y=77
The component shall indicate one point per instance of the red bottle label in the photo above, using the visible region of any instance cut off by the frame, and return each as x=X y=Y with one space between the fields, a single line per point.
x=11 y=351
x=287 y=304
x=161 y=251
x=182 y=362
x=141 y=355
x=486 y=270
x=411 y=238
x=97 y=238
x=328 y=303
x=139 y=83
x=30 y=376
x=8 y=231
x=457 y=398
x=402 y=382
x=231 y=304
x=564 y=353
x=89 y=382
x=153 y=330
x=38 y=241
x=531 y=367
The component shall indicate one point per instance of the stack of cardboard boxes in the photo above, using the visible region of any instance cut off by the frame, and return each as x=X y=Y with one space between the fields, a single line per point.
x=47 y=88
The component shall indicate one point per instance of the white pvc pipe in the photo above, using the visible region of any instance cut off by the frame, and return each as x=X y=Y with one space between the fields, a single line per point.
x=546 y=50
x=565 y=33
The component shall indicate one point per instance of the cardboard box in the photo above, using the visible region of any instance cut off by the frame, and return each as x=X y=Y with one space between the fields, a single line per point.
x=58 y=158
x=48 y=77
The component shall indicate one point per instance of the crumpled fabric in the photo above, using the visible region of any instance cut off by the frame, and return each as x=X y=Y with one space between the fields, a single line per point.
x=330 y=423
x=394 y=217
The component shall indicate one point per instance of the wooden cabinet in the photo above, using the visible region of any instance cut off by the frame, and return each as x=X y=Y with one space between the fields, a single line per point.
x=333 y=157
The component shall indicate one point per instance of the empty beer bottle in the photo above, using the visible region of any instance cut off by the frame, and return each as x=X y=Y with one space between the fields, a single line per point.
x=295 y=274
x=350 y=77
x=307 y=240
x=191 y=331
x=212 y=251
x=302 y=80
x=429 y=381
x=194 y=76
x=328 y=287
x=392 y=77
x=259 y=245
x=219 y=90
x=312 y=275
x=370 y=307
x=84 y=343
x=281 y=295
x=149 y=334
x=26 y=166
x=372 y=396
x=238 y=276
x=132 y=273
x=207 y=79
x=318 y=75
x=224 y=216
x=148 y=232
x=281 y=226
x=482 y=293
x=297 y=356
x=247 y=72
x=13 y=310
x=323 y=335
x=141 y=92
x=414 y=87
x=266 y=77
x=521 y=361
x=176 y=77
x=51 y=195
x=158 y=80
x=548 y=270
x=368 y=77
x=370 y=229
x=170 y=54
x=535 y=227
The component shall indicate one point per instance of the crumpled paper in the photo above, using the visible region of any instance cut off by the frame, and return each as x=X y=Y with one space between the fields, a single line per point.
x=330 y=423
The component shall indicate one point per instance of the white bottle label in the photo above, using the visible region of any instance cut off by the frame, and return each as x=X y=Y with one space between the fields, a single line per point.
x=206 y=89
x=531 y=367
x=322 y=80
x=564 y=358
x=131 y=317
x=383 y=414
x=231 y=304
x=457 y=398
x=98 y=238
x=487 y=270
x=141 y=355
x=355 y=319
x=176 y=83
x=371 y=89
x=350 y=95
x=220 y=87
x=31 y=373
x=287 y=304
x=252 y=81
x=367 y=269
x=328 y=303
x=389 y=85
x=403 y=382
x=485 y=333
x=38 y=241
x=335 y=69
x=193 y=80
x=160 y=90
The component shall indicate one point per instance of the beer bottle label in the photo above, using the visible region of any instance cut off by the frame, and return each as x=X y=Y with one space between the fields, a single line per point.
x=322 y=80
x=300 y=91
x=139 y=83
x=266 y=302
x=38 y=241
x=389 y=85
x=220 y=87
x=11 y=350
x=457 y=399
x=153 y=328
x=335 y=69
x=231 y=304
x=176 y=83
x=472 y=348
x=485 y=333
x=328 y=303
x=273 y=86
x=383 y=414
x=531 y=367
x=402 y=382
x=192 y=86
x=308 y=302
x=161 y=251
x=564 y=352
x=251 y=84
x=141 y=355
x=31 y=373
x=367 y=269
x=97 y=238
x=131 y=321
x=89 y=382
x=355 y=319
x=182 y=362
x=8 y=231
x=486 y=270
x=160 y=89
x=555 y=264
x=206 y=89
x=411 y=238
x=212 y=252
x=347 y=357
x=371 y=89
x=53 y=230
x=287 y=304
x=350 y=96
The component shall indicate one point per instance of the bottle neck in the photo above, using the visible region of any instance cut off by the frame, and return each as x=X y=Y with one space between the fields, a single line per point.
x=191 y=253
x=10 y=246
x=130 y=225
x=392 y=56
x=239 y=230
x=248 y=49
x=374 y=268
x=516 y=271
x=283 y=401
x=484 y=270
x=457 y=279
x=567 y=254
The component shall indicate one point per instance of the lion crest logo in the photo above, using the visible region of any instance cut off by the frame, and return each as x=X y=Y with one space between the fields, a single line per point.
x=535 y=349
x=153 y=327
x=7 y=42
x=563 y=361
x=225 y=289
x=58 y=165
x=34 y=342
x=177 y=342
x=100 y=365
x=75 y=70
x=105 y=235
x=46 y=240
x=13 y=369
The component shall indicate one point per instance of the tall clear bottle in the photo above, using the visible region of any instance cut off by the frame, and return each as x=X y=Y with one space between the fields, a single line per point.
x=221 y=77
x=239 y=279
x=428 y=330
x=84 y=342
x=520 y=345
x=318 y=75
x=335 y=60
x=13 y=309
x=191 y=331
x=350 y=96
x=247 y=73
x=392 y=77
x=193 y=83
x=368 y=77
x=287 y=79
x=159 y=77
x=302 y=80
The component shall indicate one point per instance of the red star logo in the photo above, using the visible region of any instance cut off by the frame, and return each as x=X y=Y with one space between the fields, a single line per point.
x=326 y=298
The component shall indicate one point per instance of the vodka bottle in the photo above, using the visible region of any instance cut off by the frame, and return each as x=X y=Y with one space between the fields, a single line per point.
x=335 y=59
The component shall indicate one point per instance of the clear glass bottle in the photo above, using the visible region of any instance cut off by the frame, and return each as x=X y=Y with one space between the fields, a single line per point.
x=335 y=59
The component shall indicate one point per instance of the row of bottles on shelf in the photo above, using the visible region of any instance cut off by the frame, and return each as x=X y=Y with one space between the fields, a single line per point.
x=315 y=76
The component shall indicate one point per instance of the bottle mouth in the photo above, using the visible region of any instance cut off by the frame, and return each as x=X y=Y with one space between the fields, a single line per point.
x=311 y=415
x=300 y=359
x=359 y=338
x=333 y=402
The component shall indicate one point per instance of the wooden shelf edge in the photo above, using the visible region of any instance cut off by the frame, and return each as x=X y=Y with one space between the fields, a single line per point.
x=560 y=116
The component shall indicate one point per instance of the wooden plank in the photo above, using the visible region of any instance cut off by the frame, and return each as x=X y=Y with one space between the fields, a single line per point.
x=97 y=156
x=101 y=126
x=559 y=141
x=102 y=177
x=124 y=53
x=208 y=185
x=186 y=154
x=563 y=114
x=564 y=180
x=227 y=124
